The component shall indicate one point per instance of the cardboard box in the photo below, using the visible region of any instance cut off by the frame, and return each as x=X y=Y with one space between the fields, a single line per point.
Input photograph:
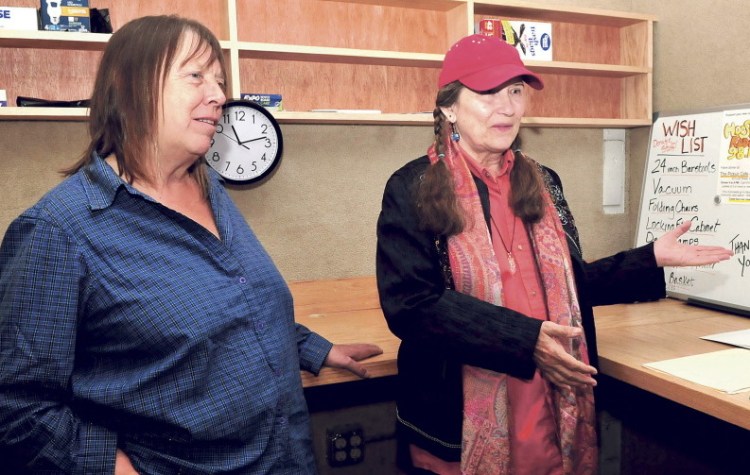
x=533 y=40
x=17 y=18
x=65 y=15
x=272 y=102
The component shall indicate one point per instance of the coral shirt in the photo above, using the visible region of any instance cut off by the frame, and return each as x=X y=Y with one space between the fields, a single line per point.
x=533 y=436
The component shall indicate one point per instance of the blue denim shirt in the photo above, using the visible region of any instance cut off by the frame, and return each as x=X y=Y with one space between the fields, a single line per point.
x=124 y=324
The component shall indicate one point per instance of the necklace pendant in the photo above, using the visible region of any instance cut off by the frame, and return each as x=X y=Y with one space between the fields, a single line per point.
x=511 y=263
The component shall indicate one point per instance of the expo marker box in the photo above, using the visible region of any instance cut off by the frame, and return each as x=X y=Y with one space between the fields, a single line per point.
x=272 y=102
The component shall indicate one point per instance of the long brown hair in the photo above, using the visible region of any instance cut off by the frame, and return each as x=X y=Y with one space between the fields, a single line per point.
x=124 y=105
x=437 y=207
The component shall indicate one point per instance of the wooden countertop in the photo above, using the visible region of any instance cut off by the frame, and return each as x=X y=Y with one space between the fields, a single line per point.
x=633 y=334
x=345 y=311
x=348 y=311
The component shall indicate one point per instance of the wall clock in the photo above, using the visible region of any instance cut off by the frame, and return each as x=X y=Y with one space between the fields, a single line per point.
x=247 y=145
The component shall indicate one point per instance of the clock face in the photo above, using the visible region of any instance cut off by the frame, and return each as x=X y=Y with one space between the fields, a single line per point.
x=247 y=145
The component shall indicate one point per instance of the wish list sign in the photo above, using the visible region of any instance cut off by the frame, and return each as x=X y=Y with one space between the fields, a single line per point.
x=697 y=171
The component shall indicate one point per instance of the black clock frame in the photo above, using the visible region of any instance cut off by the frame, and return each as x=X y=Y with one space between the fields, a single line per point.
x=275 y=123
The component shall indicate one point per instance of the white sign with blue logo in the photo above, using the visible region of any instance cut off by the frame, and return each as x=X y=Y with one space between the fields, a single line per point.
x=535 y=40
x=17 y=18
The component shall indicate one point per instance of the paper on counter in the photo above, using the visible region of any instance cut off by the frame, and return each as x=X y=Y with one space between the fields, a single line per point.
x=725 y=370
x=739 y=338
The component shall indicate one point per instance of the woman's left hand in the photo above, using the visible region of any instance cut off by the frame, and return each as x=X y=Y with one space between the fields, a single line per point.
x=348 y=356
x=669 y=251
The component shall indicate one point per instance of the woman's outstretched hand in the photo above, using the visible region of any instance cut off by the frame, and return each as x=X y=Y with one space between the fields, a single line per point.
x=669 y=251
x=556 y=364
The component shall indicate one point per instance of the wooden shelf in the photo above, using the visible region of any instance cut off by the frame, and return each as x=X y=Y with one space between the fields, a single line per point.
x=331 y=118
x=292 y=117
x=585 y=69
x=438 y=5
x=337 y=55
x=53 y=40
x=43 y=113
x=362 y=54
x=560 y=14
x=61 y=40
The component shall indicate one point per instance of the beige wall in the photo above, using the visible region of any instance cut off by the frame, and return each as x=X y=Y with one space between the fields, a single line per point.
x=317 y=214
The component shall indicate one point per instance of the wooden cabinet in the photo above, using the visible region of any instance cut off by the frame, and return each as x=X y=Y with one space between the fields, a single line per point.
x=359 y=54
x=602 y=69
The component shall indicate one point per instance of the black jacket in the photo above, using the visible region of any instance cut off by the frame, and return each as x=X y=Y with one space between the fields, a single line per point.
x=441 y=329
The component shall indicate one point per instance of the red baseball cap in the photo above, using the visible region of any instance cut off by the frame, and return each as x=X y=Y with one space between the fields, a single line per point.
x=482 y=63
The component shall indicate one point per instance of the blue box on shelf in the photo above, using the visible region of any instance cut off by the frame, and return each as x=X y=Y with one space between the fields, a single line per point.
x=272 y=102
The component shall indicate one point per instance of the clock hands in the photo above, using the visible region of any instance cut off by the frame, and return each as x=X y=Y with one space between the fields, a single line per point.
x=236 y=136
x=237 y=140
x=241 y=142
x=251 y=140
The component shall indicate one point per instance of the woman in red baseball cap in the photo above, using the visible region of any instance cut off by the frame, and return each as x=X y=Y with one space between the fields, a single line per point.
x=481 y=276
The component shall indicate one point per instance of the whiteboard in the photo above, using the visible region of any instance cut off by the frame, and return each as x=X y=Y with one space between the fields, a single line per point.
x=698 y=169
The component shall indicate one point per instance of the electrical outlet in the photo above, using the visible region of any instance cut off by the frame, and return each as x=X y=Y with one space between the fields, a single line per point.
x=346 y=445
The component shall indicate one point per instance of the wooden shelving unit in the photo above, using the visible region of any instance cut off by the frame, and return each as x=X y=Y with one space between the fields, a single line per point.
x=360 y=54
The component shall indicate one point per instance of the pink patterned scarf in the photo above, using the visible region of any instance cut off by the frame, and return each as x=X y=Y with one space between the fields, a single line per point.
x=486 y=443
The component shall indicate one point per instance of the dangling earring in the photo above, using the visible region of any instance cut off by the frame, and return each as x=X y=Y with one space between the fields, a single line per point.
x=455 y=136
